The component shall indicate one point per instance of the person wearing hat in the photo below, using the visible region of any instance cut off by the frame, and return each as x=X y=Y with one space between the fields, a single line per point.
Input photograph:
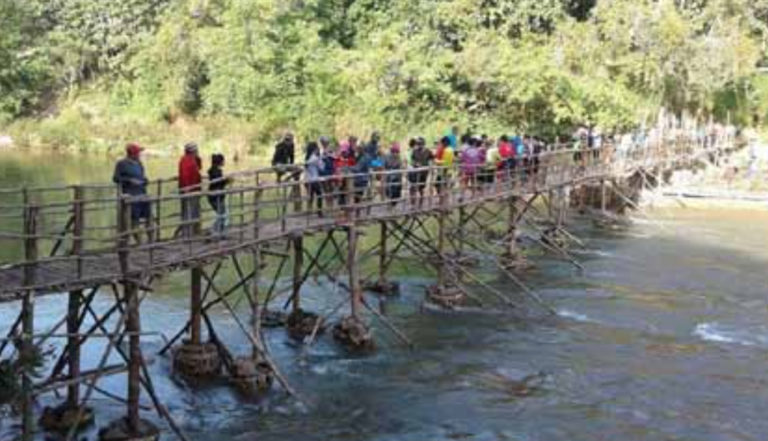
x=129 y=175
x=189 y=188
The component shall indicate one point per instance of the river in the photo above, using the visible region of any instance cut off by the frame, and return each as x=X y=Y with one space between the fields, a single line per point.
x=663 y=336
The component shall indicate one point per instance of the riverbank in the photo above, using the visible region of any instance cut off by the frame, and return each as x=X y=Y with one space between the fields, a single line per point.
x=84 y=127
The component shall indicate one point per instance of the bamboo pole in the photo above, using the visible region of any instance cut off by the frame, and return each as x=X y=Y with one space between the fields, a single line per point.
x=354 y=276
x=133 y=325
x=196 y=303
x=28 y=350
x=383 y=255
x=73 y=346
x=298 y=263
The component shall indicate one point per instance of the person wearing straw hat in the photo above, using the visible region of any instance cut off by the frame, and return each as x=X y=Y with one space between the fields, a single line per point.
x=189 y=188
x=130 y=177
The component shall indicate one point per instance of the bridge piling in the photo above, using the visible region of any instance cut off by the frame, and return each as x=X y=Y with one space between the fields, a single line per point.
x=132 y=426
x=298 y=265
x=195 y=305
x=352 y=332
x=383 y=285
x=28 y=351
x=73 y=346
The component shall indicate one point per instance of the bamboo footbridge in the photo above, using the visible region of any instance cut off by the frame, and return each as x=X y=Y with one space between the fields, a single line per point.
x=77 y=239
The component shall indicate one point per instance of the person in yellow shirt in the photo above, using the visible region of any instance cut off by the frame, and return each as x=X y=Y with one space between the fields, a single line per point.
x=444 y=158
x=492 y=161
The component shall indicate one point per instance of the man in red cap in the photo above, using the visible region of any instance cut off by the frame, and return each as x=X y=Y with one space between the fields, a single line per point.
x=129 y=175
x=189 y=187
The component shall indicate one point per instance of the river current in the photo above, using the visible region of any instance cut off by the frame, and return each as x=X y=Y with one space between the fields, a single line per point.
x=663 y=336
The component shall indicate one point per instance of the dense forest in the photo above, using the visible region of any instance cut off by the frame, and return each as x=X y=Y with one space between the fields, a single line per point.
x=71 y=67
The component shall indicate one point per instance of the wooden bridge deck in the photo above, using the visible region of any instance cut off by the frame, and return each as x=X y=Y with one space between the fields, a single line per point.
x=99 y=250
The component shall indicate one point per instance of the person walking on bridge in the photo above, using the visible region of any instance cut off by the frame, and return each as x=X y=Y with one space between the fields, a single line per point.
x=363 y=165
x=217 y=184
x=471 y=160
x=444 y=159
x=328 y=171
x=420 y=160
x=393 y=182
x=284 y=155
x=189 y=188
x=129 y=176
x=313 y=164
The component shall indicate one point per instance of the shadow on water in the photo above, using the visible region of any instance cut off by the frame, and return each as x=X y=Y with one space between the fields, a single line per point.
x=663 y=336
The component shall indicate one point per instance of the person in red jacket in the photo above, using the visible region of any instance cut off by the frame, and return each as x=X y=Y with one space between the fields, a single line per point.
x=189 y=188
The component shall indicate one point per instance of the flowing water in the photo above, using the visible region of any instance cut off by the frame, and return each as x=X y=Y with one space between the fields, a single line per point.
x=664 y=336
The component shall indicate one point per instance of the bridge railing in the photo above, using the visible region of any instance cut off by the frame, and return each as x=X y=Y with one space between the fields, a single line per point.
x=51 y=236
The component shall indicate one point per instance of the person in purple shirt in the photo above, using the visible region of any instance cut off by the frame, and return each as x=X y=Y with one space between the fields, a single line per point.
x=471 y=160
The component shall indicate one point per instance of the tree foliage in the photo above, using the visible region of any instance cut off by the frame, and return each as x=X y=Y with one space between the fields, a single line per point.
x=399 y=65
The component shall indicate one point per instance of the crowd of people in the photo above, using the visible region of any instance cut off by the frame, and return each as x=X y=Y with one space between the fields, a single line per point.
x=478 y=160
x=336 y=171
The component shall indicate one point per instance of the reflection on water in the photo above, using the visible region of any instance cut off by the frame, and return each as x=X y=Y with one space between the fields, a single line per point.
x=662 y=337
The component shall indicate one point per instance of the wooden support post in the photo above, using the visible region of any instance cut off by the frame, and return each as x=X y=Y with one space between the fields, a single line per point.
x=296 y=193
x=461 y=232
x=564 y=203
x=157 y=236
x=512 y=252
x=550 y=204
x=441 y=266
x=255 y=310
x=196 y=304
x=133 y=326
x=73 y=347
x=78 y=227
x=354 y=277
x=27 y=350
x=132 y=323
x=603 y=196
x=298 y=263
x=383 y=259
x=256 y=262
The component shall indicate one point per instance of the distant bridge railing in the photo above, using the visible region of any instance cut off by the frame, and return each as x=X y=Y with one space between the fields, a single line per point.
x=72 y=237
